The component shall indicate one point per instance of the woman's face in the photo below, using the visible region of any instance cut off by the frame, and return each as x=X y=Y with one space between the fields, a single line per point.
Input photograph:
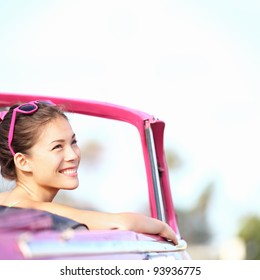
x=55 y=158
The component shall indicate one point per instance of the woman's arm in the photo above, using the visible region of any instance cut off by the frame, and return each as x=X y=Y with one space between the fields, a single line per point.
x=100 y=220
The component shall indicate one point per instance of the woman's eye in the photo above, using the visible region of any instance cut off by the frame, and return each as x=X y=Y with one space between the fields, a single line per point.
x=57 y=147
x=74 y=141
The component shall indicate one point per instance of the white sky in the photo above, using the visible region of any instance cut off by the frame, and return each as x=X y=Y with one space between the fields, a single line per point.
x=194 y=64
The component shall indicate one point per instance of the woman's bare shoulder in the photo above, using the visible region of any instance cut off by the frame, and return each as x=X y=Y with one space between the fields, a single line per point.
x=3 y=198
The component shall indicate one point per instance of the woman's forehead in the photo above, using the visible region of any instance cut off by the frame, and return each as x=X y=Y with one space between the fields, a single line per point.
x=59 y=128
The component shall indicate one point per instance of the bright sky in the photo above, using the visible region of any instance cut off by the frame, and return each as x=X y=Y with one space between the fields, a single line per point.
x=193 y=64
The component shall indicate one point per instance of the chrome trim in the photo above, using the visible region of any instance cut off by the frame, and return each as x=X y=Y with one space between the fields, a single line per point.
x=155 y=174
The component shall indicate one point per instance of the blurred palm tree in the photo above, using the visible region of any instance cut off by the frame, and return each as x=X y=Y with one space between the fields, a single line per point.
x=192 y=222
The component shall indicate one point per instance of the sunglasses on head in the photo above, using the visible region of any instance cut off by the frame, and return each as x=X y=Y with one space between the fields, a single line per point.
x=27 y=109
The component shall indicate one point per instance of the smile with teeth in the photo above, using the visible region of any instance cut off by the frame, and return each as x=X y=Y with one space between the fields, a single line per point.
x=69 y=172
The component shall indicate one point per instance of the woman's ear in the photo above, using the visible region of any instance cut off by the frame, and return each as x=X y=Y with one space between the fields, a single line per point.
x=21 y=162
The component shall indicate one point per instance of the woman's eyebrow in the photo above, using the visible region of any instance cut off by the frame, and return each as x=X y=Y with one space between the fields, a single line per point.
x=62 y=140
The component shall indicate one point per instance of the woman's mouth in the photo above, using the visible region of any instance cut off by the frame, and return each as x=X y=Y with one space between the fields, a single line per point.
x=69 y=172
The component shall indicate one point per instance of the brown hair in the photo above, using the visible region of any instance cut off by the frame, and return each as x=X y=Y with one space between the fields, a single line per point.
x=28 y=129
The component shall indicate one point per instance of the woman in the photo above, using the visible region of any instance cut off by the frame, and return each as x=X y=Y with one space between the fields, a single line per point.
x=38 y=149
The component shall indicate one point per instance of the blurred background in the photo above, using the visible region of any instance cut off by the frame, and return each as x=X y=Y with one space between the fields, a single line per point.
x=193 y=64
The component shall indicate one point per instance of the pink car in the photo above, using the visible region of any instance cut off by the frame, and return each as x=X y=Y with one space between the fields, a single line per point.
x=33 y=234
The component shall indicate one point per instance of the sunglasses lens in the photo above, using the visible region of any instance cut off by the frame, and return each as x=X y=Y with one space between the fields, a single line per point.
x=27 y=107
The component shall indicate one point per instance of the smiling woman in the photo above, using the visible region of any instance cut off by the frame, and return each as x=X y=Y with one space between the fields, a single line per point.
x=38 y=139
x=38 y=149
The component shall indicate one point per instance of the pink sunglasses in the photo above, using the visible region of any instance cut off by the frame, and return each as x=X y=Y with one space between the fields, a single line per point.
x=26 y=108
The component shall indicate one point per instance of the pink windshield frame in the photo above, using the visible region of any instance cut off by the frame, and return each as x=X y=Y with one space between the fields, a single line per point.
x=141 y=120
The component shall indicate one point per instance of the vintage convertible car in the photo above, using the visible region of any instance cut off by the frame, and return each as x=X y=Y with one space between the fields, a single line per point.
x=34 y=234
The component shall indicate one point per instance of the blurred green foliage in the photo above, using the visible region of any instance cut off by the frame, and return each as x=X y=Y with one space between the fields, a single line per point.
x=249 y=232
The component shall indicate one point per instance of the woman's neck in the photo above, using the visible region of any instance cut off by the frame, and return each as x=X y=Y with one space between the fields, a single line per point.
x=35 y=192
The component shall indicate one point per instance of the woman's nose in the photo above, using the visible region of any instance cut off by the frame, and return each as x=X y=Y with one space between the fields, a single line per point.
x=72 y=154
